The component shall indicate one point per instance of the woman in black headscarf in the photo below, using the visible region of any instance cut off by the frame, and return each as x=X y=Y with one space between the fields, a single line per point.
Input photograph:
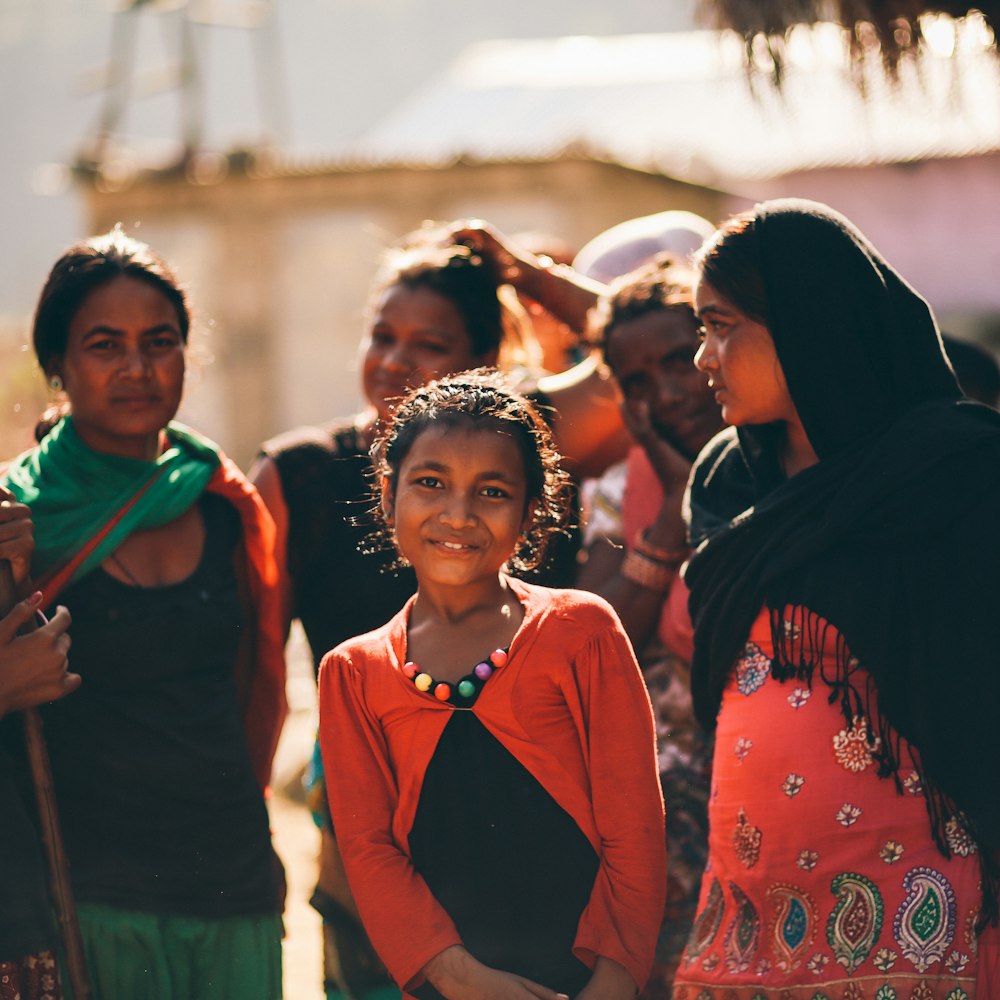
x=844 y=594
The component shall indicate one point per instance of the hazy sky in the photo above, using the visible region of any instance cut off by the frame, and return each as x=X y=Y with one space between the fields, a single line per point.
x=320 y=74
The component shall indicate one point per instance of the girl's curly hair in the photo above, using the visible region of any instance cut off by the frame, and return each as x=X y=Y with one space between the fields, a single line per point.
x=482 y=399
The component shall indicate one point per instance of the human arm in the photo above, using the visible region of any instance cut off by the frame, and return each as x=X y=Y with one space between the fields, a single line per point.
x=265 y=477
x=404 y=921
x=457 y=975
x=622 y=918
x=565 y=293
x=654 y=492
x=610 y=981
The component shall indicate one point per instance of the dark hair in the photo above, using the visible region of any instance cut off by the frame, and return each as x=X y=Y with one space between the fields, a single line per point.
x=482 y=400
x=84 y=267
x=663 y=283
x=466 y=279
x=729 y=261
x=975 y=368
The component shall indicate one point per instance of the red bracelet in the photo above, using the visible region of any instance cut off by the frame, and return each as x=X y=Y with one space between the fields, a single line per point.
x=668 y=557
x=645 y=572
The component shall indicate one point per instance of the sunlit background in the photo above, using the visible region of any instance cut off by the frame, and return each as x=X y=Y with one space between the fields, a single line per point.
x=271 y=150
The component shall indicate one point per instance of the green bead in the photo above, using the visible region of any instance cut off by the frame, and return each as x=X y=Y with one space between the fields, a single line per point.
x=466 y=689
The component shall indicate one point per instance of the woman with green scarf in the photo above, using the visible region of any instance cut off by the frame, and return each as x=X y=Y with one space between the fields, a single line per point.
x=163 y=553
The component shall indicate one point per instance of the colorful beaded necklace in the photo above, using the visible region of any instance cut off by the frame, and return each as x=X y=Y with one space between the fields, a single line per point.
x=464 y=692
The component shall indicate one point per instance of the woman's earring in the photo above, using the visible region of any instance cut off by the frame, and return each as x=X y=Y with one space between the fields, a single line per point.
x=56 y=383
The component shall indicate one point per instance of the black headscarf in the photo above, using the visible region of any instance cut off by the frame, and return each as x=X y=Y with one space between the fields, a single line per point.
x=892 y=538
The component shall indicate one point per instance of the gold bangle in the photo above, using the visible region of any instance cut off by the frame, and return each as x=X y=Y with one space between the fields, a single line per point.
x=645 y=572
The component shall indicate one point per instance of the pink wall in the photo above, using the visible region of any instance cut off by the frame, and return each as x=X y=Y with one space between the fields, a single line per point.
x=937 y=222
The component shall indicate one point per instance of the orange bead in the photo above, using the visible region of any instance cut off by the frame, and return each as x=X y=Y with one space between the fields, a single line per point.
x=441 y=692
x=498 y=658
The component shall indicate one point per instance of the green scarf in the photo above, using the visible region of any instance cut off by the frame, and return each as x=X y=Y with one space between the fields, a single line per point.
x=73 y=490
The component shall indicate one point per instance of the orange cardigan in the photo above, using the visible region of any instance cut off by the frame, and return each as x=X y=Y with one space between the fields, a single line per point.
x=570 y=705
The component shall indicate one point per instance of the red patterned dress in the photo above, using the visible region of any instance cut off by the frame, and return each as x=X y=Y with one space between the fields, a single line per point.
x=823 y=881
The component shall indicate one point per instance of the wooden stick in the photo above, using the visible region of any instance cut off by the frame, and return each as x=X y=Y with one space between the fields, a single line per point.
x=55 y=854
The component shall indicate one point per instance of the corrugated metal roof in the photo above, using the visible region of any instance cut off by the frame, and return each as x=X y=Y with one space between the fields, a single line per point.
x=680 y=104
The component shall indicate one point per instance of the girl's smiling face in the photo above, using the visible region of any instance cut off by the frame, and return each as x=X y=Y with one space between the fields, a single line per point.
x=738 y=355
x=460 y=505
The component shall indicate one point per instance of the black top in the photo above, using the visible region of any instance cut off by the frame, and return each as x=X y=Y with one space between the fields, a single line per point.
x=26 y=924
x=515 y=889
x=159 y=806
x=337 y=591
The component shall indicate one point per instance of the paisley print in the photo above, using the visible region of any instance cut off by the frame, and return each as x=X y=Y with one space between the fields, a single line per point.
x=743 y=934
x=752 y=669
x=792 y=924
x=925 y=921
x=706 y=924
x=856 y=921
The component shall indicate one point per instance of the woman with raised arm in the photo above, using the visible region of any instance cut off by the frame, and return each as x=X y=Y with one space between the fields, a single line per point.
x=844 y=599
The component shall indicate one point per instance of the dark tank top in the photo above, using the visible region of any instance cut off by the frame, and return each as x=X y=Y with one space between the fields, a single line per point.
x=159 y=805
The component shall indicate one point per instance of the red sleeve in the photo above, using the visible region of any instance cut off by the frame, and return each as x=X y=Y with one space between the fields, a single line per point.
x=406 y=924
x=622 y=919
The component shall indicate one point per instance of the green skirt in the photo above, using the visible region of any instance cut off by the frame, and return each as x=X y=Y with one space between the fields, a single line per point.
x=148 y=956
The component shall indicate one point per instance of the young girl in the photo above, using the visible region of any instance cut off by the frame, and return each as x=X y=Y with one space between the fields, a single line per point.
x=495 y=796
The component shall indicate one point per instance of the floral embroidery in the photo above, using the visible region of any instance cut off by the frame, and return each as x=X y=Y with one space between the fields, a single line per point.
x=798 y=698
x=925 y=921
x=709 y=962
x=956 y=963
x=856 y=921
x=853 y=748
x=752 y=669
x=807 y=860
x=971 y=937
x=885 y=959
x=792 y=785
x=891 y=852
x=922 y=991
x=742 y=748
x=853 y=992
x=763 y=967
x=817 y=963
x=886 y=992
x=957 y=994
x=706 y=924
x=746 y=840
x=959 y=841
x=743 y=934
x=913 y=784
x=792 y=925
x=847 y=815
